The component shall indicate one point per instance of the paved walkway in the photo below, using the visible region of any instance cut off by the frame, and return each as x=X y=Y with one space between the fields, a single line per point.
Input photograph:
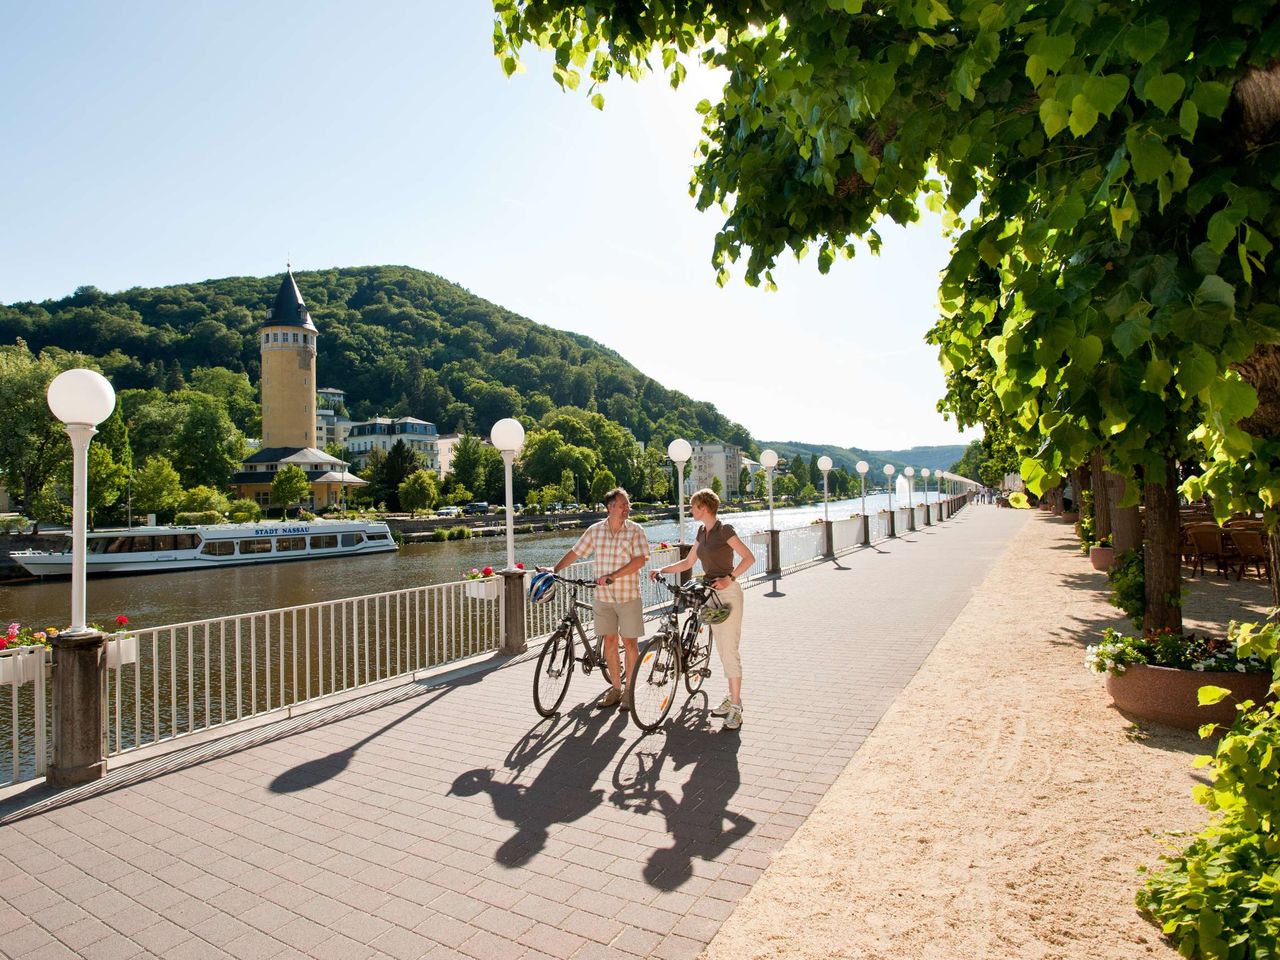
x=444 y=821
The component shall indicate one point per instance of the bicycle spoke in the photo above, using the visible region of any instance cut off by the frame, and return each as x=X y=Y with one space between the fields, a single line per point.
x=656 y=683
x=551 y=679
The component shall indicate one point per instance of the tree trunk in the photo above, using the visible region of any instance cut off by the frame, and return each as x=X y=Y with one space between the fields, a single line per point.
x=1273 y=548
x=1162 y=566
x=1101 y=499
x=1126 y=522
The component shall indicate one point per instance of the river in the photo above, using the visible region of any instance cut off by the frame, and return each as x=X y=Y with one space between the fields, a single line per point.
x=167 y=598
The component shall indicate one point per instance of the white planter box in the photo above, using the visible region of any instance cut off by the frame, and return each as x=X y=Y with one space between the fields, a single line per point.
x=122 y=651
x=483 y=589
x=24 y=665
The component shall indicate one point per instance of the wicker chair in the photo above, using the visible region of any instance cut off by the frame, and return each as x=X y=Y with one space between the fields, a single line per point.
x=1251 y=547
x=1208 y=542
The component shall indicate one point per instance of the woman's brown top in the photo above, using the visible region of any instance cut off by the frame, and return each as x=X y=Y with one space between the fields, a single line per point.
x=714 y=552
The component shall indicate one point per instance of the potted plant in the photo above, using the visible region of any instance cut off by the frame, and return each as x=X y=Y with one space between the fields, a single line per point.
x=1102 y=554
x=1158 y=676
x=482 y=584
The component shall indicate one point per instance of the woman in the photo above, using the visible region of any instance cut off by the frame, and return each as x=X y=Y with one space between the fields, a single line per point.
x=718 y=546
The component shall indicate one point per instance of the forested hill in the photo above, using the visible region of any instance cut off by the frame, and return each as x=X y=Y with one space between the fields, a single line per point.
x=399 y=341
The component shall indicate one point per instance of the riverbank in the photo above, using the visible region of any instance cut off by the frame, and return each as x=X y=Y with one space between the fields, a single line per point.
x=1002 y=806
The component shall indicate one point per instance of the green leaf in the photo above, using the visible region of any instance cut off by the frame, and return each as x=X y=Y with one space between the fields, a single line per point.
x=1150 y=157
x=1164 y=90
x=1054 y=116
x=597 y=101
x=1131 y=334
x=1086 y=352
x=1232 y=399
x=1213 y=289
x=1145 y=39
x=1196 y=370
x=1206 y=259
x=1067 y=213
x=1084 y=116
x=508 y=65
x=1208 y=695
x=1033 y=475
x=1189 y=118
x=1157 y=376
x=1211 y=97
x=1222 y=227
x=1106 y=93
x=1052 y=51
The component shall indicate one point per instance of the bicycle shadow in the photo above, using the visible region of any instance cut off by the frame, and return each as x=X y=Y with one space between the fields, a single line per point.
x=696 y=822
x=578 y=746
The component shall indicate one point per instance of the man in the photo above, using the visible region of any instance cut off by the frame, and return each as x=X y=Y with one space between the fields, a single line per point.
x=620 y=549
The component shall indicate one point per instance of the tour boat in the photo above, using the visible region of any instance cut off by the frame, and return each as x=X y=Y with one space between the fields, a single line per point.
x=157 y=549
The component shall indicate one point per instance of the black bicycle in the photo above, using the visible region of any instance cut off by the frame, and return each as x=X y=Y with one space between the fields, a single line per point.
x=676 y=650
x=555 y=662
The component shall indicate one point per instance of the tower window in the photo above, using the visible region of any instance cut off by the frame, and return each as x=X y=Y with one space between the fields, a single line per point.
x=275 y=338
x=295 y=338
x=266 y=338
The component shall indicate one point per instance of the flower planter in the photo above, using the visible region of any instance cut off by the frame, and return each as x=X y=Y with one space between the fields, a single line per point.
x=1170 y=696
x=483 y=589
x=1070 y=516
x=1102 y=557
x=20 y=665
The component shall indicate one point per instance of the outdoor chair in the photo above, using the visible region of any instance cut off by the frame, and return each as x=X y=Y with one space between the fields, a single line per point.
x=1209 y=543
x=1251 y=545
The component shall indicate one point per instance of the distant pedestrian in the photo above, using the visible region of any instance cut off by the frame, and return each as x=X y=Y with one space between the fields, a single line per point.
x=718 y=546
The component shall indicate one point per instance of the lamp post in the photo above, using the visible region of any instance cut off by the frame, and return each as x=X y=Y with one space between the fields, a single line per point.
x=81 y=399
x=924 y=473
x=910 y=474
x=824 y=464
x=888 y=475
x=679 y=451
x=769 y=460
x=862 y=467
x=508 y=437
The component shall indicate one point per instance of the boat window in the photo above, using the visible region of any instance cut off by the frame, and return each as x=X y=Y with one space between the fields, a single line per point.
x=130 y=545
x=100 y=545
x=352 y=539
x=163 y=543
x=288 y=544
x=258 y=545
x=186 y=541
x=326 y=542
x=219 y=548
x=379 y=536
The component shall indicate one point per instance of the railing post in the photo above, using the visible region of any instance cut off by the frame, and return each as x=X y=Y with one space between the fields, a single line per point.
x=515 y=636
x=866 y=530
x=828 y=540
x=774 y=568
x=684 y=549
x=893 y=523
x=79 y=670
x=928 y=514
x=911 y=519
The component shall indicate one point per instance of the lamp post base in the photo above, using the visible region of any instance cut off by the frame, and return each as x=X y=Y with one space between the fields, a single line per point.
x=78 y=665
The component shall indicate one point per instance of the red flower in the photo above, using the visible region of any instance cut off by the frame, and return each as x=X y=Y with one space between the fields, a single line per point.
x=519 y=566
x=487 y=571
x=4 y=642
x=121 y=620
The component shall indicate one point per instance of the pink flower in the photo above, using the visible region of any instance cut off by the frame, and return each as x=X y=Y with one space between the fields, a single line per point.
x=121 y=620
x=13 y=630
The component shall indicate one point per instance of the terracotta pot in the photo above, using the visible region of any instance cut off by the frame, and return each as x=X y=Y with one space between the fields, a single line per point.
x=1169 y=696
x=1070 y=516
x=1102 y=557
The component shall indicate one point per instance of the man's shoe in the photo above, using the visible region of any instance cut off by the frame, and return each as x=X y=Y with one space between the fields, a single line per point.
x=723 y=710
x=610 y=698
x=733 y=720
x=627 y=703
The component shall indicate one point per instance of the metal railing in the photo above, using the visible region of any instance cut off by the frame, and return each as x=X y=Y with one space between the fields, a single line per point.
x=541 y=618
x=26 y=722
x=846 y=535
x=800 y=545
x=879 y=525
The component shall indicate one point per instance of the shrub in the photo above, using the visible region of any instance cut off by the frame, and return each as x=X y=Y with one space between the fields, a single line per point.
x=1128 y=586
x=244 y=511
x=458 y=533
x=1164 y=648
x=194 y=518
x=1220 y=897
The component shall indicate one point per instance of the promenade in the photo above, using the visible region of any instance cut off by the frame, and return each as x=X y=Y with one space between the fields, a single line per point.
x=444 y=820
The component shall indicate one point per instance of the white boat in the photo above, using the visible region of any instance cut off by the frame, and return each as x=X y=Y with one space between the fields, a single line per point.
x=157 y=549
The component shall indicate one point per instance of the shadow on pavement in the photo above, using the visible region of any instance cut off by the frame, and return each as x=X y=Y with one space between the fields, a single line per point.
x=578 y=747
x=696 y=822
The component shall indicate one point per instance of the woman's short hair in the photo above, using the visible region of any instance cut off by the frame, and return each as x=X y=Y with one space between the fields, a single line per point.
x=707 y=499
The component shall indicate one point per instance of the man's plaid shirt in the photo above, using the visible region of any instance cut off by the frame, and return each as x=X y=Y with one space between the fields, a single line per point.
x=612 y=551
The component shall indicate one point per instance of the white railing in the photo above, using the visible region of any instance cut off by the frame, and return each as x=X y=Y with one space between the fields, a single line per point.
x=25 y=718
x=758 y=544
x=919 y=509
x=800 y=545
x=879 y=525
x=901 y=521
x=191 y=677
x=846 y=534
x=542 y=618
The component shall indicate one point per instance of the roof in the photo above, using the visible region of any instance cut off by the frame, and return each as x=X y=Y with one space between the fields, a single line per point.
x=313 y=476
x=298 y=456
x=289 y=310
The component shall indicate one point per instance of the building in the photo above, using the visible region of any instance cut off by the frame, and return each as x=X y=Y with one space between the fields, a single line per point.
x=712 y=460
x=382 y=433
x=332 y=422
x=289 y=341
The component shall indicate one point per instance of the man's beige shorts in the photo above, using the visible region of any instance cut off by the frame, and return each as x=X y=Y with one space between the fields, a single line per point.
x=626 y=618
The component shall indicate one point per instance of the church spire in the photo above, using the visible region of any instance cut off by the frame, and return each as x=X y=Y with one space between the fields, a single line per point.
x=289 y=309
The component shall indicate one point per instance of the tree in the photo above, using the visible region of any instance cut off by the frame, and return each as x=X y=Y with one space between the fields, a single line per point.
x=235 y=391
x=419 y=491
x=568 y=486
x=799 y=470
x=716 y=486
x=653 y=467
x=156 y=486
x=32 y=441
x=289 y=486
x=602 y=483
x=202 y=499
x=206 y=448
x=244 y=511
x=1114 y=290
x=744 y=481
x=385 y=473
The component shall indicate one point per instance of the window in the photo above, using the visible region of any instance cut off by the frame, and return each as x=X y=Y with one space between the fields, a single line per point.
x=275 y=337
x=263 y=498
x=259 y=545
x=186 y=541
x=163 y=543
x=218 y=548
x=266 y=338
x=290 y=544
x=295 y=338
x=326 y=542
x=379 y=536
x=352 y=539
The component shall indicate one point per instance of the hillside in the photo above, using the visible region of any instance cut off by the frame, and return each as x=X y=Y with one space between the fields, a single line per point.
x=397 y=340
x=935 y=458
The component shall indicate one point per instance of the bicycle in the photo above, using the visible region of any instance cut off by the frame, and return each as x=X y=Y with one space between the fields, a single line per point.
x=676 y=650
x=555 y=662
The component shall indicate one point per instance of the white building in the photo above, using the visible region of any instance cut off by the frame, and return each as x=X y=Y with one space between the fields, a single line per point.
x=722 y=460
x=382 y=433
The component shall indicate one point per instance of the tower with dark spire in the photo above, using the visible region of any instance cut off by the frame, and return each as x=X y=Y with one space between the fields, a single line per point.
x=288 y=339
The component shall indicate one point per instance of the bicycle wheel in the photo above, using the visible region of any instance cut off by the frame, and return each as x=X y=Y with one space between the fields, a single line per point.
x=555 y=667
x=696 y=642
x=653 y=689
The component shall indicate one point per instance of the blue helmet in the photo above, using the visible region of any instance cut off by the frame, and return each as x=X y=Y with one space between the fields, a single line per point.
x=542 y=586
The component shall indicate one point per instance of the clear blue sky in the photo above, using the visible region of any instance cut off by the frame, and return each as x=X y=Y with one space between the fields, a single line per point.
x=151 y=143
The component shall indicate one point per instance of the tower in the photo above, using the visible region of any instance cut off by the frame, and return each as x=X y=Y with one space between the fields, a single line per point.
x=288 y=371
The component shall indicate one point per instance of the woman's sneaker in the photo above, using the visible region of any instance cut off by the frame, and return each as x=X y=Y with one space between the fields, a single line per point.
x=733 y=719
x=723 y=710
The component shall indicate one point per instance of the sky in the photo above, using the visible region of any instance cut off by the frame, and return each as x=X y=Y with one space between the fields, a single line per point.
x=150 y=143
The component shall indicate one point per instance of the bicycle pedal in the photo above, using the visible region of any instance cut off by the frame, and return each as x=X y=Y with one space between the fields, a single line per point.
x=705 y=672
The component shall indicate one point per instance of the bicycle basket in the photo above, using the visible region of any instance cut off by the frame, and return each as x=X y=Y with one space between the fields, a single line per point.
x=542 y=587
x=716 y=611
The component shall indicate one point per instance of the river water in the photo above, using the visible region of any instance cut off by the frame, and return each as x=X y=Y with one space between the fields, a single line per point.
x=166 y=598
